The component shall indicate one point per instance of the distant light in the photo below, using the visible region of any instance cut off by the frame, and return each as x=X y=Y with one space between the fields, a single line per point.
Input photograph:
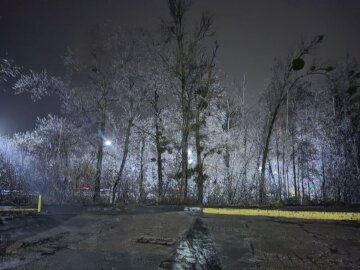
x=108 y=143
x=190 y=159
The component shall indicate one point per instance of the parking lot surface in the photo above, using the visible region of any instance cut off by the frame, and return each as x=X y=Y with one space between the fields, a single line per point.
x=273 y=243
x=166 y=237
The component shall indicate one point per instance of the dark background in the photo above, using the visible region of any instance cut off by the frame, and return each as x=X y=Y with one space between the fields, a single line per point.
x=36 y=33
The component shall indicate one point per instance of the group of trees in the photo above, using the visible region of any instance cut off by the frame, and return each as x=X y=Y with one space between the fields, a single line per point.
x=146 y=116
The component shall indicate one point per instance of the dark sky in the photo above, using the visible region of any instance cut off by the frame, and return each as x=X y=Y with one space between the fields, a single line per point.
x=35 y=33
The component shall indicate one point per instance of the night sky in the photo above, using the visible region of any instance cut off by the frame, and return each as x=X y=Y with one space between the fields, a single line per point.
x=36 y=33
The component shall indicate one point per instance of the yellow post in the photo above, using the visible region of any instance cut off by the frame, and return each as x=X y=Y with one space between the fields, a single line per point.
x=39 y=204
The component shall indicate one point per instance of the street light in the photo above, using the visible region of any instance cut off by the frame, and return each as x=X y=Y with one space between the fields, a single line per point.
x=190 y=159
x=108 y=142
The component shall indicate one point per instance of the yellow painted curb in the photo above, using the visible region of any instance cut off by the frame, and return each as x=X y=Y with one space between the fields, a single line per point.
x=19 y=210
x=12 y=209
x=285 y=214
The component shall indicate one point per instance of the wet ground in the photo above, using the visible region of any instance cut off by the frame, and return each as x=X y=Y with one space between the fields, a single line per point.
x=168 y=238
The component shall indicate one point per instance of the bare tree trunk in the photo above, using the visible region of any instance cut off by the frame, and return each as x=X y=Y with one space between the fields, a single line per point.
x=199 y=164
x=302 y=179
x=287 y=180
x=323 y=191
x=199 y=167
x=123 y=160
x=298 y=177
x=184 y=158
x=278 y=169
x=245 y=156
x=308 y=197
x=286 y=183
x=185 y=106
x=262 y=191
x=228 y=179
x=159 y=164
x=99 y=158
x=141 y=173
x=159 y=149
x=294 y=171
x=245 y=127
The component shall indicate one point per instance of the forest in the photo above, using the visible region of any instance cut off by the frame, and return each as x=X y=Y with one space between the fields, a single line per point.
x=148 y=117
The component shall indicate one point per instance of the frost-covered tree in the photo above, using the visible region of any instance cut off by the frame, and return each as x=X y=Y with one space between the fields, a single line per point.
x=188 y=61
x=287 y=76
x=51 y=148
x=8 y=69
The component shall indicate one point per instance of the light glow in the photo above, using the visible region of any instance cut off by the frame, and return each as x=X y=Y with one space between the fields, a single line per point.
x=108 y=142
x=190 y=159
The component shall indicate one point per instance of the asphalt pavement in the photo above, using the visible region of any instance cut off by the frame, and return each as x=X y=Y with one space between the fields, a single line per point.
x=166 y=237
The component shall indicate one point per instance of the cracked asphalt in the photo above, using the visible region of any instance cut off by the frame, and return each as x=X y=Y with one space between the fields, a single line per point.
x=273 y=243
x=98 y=239
x=155 y=237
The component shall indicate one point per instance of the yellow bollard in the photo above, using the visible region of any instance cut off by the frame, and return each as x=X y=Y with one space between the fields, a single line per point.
x=39 y=204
